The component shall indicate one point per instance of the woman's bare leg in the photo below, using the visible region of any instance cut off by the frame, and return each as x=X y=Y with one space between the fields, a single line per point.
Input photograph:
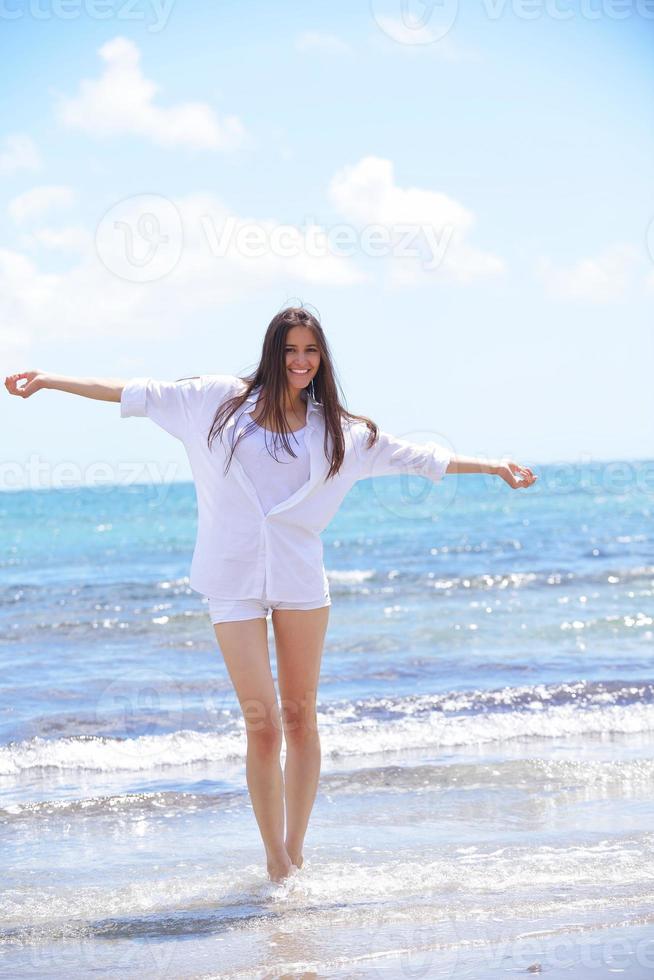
x=244 y=646
x=299 y=639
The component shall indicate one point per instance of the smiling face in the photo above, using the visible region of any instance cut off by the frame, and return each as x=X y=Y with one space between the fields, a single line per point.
x=302 y=356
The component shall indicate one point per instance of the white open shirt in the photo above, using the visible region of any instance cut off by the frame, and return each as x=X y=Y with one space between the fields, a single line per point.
x=240 y=552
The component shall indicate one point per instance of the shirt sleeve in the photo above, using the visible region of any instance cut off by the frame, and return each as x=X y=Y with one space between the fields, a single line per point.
x=173 y=405
x=391 y=456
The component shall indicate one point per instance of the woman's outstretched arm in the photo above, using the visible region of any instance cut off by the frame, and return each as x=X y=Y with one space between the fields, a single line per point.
x=390 y=455
x=103 y=389
x=511 y=472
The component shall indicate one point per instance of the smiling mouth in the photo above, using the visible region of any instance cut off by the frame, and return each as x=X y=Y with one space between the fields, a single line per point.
x=293 y=371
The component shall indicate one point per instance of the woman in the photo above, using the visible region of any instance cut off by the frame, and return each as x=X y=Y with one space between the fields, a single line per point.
x=272 y=456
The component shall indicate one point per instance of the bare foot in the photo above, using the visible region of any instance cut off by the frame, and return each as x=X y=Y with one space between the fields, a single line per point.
x=280 y=870
x=297 y=861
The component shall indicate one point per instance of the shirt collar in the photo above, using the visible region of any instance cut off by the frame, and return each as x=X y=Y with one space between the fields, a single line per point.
x=312 y=405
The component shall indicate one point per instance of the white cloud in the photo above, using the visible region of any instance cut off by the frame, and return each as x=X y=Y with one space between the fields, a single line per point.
x=320 y=41
x=19 y=153
x=222 y=258
x=222 y=246
x=426 y=221
x=122 y=100
x=601 y=279
x=70 y=238
x=38 y=306
x=87 y=300
x=366 y=192
x=34 y=203
x=25 y=298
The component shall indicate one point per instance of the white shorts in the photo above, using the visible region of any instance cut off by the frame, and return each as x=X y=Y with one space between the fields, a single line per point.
x=233 y=610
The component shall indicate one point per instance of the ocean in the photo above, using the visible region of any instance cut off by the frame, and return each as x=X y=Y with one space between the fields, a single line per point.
x=486 y=710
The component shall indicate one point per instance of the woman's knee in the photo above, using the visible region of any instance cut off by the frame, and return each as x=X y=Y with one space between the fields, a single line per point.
x=265 y=744
x=299 y=717
x=263 y=726
x=301 y=730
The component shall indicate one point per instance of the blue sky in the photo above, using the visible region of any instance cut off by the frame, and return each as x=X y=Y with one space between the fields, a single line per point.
x=521 y=136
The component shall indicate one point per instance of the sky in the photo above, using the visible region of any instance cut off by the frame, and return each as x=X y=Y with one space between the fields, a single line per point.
x=463 y=192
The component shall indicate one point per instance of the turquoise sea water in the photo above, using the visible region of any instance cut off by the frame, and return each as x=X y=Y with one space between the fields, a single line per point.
x=486 y=710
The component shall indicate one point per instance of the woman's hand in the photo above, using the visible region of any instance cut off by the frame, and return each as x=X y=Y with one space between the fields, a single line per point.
x=34 y=381
x=515 y=475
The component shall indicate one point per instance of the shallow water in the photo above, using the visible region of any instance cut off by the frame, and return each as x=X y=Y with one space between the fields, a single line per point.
x=486 y=710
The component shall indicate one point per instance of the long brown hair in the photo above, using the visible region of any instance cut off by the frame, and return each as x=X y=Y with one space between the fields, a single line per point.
x=271 y=375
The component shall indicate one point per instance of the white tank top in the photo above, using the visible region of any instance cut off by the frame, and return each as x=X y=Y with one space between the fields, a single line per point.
x=274 y=479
